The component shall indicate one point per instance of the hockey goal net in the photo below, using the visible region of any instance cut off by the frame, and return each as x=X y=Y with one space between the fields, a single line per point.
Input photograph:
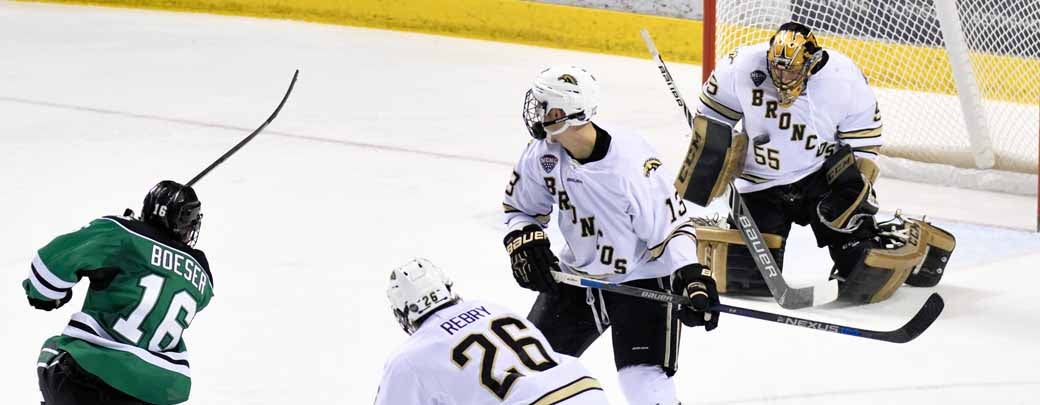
x=958 y=82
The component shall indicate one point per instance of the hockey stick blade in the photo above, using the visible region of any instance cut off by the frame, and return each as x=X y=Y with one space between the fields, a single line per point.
x=924 y=318
x=786 y=296
x=920 y=322
x=243 y=142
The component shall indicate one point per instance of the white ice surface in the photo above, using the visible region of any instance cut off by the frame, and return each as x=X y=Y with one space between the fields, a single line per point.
x=397 y=145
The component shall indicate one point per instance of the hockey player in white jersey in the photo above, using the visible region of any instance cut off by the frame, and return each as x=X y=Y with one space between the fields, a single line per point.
x=472 y=352
x=623 y=223
x=815 y=131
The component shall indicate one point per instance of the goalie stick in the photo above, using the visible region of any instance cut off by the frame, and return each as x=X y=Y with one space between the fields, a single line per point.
x=243 y=142
x=924 y=318
x=788 y=297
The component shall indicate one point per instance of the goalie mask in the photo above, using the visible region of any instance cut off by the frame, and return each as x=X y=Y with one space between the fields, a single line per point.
x=793 y=52
x=571 y=89
x=417 y=289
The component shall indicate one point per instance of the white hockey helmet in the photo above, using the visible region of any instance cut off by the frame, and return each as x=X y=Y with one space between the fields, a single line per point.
x=572 y=89
x=416 y=289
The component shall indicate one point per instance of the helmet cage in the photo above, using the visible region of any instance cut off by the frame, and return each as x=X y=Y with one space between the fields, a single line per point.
x=188 y=222
x=793 y=52
x=534 y=117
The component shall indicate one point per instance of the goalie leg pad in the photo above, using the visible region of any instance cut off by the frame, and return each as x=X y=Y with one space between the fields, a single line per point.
x=715 y=157
x=880 y=270
x=940 y=247
x=733 y=269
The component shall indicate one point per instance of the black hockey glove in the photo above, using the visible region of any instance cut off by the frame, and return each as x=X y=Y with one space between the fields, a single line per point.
x=695 y=281
x=532 y=259
x=48 y=305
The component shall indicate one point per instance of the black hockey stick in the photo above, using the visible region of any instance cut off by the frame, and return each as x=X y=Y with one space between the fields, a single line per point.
x=910 y=330
x=248 y=138
x=785 y=295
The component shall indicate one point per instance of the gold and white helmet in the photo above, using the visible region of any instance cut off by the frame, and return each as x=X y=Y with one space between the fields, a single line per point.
x=793 y=52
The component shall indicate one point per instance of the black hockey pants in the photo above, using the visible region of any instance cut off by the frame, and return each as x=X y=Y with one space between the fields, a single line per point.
x=63 y=382
x=775 y=209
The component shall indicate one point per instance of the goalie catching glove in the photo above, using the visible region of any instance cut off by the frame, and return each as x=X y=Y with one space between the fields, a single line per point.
x=532 y=260
x=694 y=281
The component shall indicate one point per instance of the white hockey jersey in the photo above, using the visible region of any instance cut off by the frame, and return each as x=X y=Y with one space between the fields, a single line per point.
x=621 y=216
x=837 y=107
x=475 y=353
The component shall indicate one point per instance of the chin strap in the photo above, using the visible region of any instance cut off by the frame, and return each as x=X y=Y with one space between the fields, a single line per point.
x=566 y=125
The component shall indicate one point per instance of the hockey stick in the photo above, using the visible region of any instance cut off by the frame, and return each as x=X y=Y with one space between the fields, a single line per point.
x=910 y=330
x=788 y=297
x=248 y=138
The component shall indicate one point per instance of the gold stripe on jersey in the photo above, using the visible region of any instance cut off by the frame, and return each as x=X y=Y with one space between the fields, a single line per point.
x=590 y=275
x=872 y=149
x=685 y=229
x=568 y=391
x=860 y=134
x=752 y=178
x=541 y=218
x=721 y=109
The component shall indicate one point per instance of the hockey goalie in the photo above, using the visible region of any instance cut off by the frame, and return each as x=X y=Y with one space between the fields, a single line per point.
x=809 y=133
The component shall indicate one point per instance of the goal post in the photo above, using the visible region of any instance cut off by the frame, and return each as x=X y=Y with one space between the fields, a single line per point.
x=964 y=80
x=957 y=81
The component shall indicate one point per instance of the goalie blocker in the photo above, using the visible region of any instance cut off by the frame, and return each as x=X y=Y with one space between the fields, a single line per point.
x=715 y=157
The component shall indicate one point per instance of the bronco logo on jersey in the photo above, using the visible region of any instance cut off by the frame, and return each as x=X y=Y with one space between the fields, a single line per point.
x=650 y=165
x=568 y=79
x=549 y=162
x=758 y=77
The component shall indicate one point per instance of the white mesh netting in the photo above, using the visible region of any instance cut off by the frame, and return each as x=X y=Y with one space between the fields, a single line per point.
x=900 y=47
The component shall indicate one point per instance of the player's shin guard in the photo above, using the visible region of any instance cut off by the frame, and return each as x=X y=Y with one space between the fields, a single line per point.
x=647 y=385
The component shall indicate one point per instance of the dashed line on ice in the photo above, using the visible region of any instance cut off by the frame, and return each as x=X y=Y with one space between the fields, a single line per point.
x=244 y=129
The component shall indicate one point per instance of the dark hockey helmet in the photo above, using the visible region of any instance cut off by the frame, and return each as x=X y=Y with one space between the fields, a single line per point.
x=175 y=208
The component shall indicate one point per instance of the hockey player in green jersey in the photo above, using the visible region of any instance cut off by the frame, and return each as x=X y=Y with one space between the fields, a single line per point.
x=147 y=282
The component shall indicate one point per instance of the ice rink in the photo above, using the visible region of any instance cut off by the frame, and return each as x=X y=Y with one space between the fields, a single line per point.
x=397 y=145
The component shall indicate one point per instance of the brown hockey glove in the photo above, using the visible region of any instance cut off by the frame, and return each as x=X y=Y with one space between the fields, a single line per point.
x=695 y=282
x=533 y=261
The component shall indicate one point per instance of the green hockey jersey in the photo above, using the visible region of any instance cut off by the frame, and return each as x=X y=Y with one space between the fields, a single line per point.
x=145 y=289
